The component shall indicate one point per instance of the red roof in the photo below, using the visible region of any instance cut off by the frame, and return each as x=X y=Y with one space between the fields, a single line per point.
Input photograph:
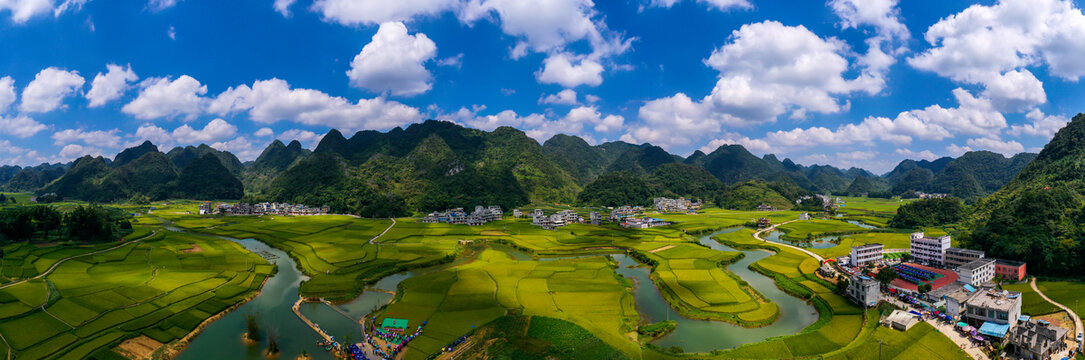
x=948 y=278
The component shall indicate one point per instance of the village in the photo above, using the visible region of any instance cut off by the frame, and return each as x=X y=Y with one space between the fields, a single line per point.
x=264 y=208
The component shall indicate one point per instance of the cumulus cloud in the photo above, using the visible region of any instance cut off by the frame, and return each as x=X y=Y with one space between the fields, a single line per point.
x=21 y=126
x=159 y=5
x=539 y=126
x=564 y=97
x=394 y=61
x=452 y=61
x=308 y=139
x=721 y=5
x=111 y=85
x=269 y=101
x=889 y=41
x=570 y=71
x=215 y=130
x=993 y=143
x=924 y=155
x=1042 y=125
x=283 y=6
x=23 y=10
x=242 y=147
x=162 y=97
x=754 y=145
x=74 y=151
x=263 y=132
x=7 y=93
x=590 y=115
x=956 y=151
x=991 y=46
x=49 y=88
x=372 y=12
x=108 y=139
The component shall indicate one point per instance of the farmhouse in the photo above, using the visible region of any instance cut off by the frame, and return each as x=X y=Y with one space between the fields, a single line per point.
x=616 y=215
x=596 y=218
x=561 y=218
x=516 y=213
x=266 y=208
x=864 y=290
x=764 y=222
x=900 y=320
x=1036 y=339
x=766 y=207
x=865 y=254
x=480 y=216
x=804 y=216
x=665 y=205
x=642 y=223
x=929 y=250
x=995 y=312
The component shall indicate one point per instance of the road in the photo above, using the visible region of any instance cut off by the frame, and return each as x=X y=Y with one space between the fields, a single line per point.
x=1077 y=320
x=770 y=228
x=372 y=241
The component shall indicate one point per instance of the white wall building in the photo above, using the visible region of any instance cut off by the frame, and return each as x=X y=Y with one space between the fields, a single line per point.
x=865 y=254
x=977 y=272
x=929 y=250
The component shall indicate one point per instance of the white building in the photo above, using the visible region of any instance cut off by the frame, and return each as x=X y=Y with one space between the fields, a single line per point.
x=865 y=254
x=864 y=290
x=929 y=250
x=804 y=216
x=977 y=272
x=994 y=312
x=956 y=256
x=596 y=218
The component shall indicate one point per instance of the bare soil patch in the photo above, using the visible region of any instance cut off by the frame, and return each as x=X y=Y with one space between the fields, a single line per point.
x=140 y=347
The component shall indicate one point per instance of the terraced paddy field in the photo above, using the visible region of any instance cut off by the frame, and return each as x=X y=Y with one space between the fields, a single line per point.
x=921 y=342
x=161 y=287
x=816 y=227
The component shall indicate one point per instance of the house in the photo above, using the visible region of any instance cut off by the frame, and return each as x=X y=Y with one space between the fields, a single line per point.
x=665 y=205
x=616 y=215
x=516 y=213
x=864 y=290
x=955 y=299
x=642 y=223
x=865 y=254
x=766 y=207
x=900 y=320
x=804 y=216
x=929 y=250
x=977 y=272
x=1010 y=270
x=457 y=216
x=596 y=218
x=764 y=222
x=956 y=256
x=205 y=208
x=995 y=312
x=1036 y=339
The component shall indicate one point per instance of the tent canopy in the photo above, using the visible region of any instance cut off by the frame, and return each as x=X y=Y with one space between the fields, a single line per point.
x=391 y=323
x=993 y=329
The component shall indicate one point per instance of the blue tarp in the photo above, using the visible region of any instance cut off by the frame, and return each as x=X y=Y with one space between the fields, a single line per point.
x=1023 y=318
x=992 y=329
x=969 y=288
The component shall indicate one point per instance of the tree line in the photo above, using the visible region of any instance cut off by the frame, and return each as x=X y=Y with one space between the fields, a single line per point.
x=88 y=223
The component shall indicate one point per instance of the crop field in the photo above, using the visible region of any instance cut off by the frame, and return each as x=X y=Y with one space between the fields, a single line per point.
x=1068 y=293
x=815 y=227
x=875 y=206
x=1031 y=302
x=159 y=287
x=455 y=300
x=921 y=342
x=716 y=218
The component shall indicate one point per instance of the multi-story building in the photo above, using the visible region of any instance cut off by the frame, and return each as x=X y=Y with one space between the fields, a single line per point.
x=1036 y=339
x=663 y=204
x=864 y=290
x=977 y=272
x=956 y=256
x=1010 y=270
x=205 y=208
x=457 y=216
x=865 y=254
x=516 y=213
x=994 y=312
x=596 y=218
x=642 y=223
x=929 y=250
x=616 y=215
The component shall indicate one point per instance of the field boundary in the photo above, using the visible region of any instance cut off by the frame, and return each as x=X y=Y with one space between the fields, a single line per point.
x=61 y=261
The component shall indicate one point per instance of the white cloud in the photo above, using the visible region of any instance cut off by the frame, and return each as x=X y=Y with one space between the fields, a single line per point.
x=108 y=139
x=243 y=148
x=754 y=145
x=49 y=88
x=991 y=46
x=570 y=71
x=956 y=151
x=161 y=97
x=20 y=126
x=1008 y=148
x=263 y=132
x=159 y=5
x=307 y=138
x=111 y=85
x=372 y=12
x=8 y=148
x=925 y=154
x=74 y=151
x=564 y=97
x=215 y=130
x=1042 y=125
x=268 y=101
x=591 y=116
x=23 y=10
x=591 y=98
x=716 y=4
x=283 y=6
x=7 y=93
x=453 y=61
x=73 y=5
x=504 y=118
x=890 y=39
x=172 y=33
x=394 y=61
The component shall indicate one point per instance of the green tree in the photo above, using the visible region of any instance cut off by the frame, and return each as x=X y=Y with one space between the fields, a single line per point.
x=46 y=219
x=928 y=212
x=886 y=276
x=89 y=223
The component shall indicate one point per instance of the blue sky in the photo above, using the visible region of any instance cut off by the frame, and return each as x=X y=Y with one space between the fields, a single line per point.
x=845 y=82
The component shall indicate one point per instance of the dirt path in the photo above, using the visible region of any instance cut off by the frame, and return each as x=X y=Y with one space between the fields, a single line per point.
x=61 y=261
x=1077 y=320
x=372 y=241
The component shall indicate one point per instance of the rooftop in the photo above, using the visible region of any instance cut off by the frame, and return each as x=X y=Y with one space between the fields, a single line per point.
x=967 y=251
x=994 y=299
x=1009 y=262
x=975 y=264
x=867 y=246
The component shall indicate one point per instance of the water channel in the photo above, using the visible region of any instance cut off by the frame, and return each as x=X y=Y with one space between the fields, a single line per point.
x=222 y=338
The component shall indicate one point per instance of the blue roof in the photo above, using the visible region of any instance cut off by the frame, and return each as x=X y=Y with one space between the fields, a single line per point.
x=1023 y=318
x=993 y=329
x=969 y=288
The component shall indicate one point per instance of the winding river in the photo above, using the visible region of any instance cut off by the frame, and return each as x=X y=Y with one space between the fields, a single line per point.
x=222 y=338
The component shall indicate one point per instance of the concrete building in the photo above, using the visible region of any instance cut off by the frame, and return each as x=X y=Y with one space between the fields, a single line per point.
x=642 y=223
x=901 y=320
x=929 y=250
x=804 y=216
x=955 y=300
x=205 y=208
x=864 y=290
x=457 y=216
x=1010 y=270
x=616 y=215
x=766 y=207
x=596 y=218
x=1036 y=339
x=956 y=256
x=865 y=254
x=666 y=205
x=977 y=272
x=516 y=213
x=994 y=312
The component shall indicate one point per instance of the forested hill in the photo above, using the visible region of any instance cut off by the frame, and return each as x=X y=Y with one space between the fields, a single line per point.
x=1037 y=216
x=971 y=176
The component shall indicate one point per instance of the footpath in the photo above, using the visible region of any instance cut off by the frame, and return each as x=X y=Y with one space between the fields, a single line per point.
x=1077 y=320
x=771 y=228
